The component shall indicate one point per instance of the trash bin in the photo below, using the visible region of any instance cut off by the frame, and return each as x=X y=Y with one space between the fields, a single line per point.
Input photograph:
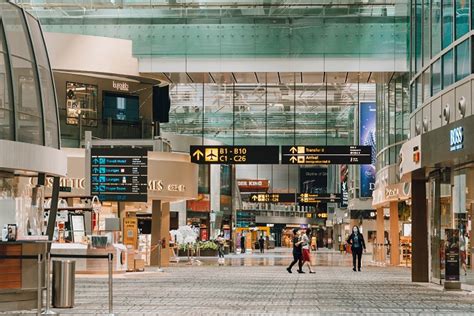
x=64 y=272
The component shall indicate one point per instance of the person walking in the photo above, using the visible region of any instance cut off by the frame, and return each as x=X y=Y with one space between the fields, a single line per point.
x=357 y=243
x=463 y=242
x=297 y=252
x=220 y=244
x=242 y=243
x=261 y=244
x=306 y=247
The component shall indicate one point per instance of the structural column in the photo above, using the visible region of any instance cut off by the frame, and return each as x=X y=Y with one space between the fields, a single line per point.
x=379 y=248
x=419 y=215
x=394 y=235
x=160 y=225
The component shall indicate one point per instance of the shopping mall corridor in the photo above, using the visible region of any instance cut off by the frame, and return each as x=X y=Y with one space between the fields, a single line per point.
x=256 y=287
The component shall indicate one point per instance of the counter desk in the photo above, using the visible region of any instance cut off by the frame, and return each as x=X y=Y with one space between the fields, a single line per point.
x=19 y=276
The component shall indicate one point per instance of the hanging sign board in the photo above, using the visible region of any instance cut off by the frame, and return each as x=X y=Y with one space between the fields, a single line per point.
x=246 y=155
x=313 y=198
x=272 y=198
x=326 y=155
x=119 y=174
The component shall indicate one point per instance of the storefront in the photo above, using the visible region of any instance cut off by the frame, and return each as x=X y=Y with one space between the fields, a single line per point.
x=448 y=159
x=393 y=200
x=124 y=228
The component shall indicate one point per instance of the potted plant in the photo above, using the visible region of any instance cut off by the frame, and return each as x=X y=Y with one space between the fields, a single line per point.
x=207 y=248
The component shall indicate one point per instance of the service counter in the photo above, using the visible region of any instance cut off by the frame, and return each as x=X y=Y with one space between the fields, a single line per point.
x=19 y=276
x=92 y=265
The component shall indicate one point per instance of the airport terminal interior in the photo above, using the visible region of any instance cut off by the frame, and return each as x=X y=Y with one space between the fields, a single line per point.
x=254 y=157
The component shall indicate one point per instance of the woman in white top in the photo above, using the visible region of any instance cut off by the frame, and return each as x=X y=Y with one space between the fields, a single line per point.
x=306 y=242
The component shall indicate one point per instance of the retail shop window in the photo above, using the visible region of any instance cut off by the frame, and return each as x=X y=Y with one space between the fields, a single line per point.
x=463 y=60
x=81 y=104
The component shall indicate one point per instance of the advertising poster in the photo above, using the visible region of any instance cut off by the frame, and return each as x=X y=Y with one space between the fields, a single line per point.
x=344 y=175
x=452 y=255
x=367 y=121
x=313 y=180
x=203 y=202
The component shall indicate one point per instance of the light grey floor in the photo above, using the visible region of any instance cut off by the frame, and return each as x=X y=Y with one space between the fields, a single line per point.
x=268 y=289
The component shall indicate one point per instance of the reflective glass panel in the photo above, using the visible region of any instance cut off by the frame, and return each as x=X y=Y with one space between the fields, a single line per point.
x=462 y=17
x=436 y=77
x=6 y=113
x=418 y=35
x=16 y=31
x=447 y=22
x=27 y=105
x=463 y=61
x=448 y=69
x=435 y=27
x=426 y=32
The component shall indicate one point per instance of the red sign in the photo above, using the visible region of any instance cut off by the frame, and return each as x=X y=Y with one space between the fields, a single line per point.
x=253 y=185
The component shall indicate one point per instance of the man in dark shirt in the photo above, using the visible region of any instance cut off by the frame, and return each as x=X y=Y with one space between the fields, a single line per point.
x=356 y=240
x=297 y=252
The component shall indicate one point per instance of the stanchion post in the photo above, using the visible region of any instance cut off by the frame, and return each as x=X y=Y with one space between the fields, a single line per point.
x=48 y=310
x=111 y=303
x=40 y=295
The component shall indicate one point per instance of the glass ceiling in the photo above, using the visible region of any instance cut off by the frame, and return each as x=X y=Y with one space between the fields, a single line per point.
x=266 y=114
x=258 y=28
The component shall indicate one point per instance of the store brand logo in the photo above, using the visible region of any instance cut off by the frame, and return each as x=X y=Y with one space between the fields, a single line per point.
x=456 y=138
x=120 y=86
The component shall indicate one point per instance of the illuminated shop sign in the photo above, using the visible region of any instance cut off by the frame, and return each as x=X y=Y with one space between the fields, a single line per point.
x=456 y=138
x=120 y=86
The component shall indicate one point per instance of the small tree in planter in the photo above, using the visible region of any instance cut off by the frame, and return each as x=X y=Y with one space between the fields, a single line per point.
x=208 y=248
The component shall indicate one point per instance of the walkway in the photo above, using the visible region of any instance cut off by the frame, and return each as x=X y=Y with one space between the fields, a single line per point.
x=209 y=289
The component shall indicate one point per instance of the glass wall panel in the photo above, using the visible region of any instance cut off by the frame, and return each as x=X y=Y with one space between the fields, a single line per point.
x=448 y=69
x=16 y=32
x=463 y=60
x=435 y=27
x=426 y=84
x=426 y=32
x=6 y=113
x=419 y=92
x=436 y=77
x=27 y=106
x=418 y=35
x=462 y=17
x=448 y=12
x=49 y=106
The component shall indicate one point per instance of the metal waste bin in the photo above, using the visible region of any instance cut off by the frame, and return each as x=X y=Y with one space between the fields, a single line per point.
x=64 y=273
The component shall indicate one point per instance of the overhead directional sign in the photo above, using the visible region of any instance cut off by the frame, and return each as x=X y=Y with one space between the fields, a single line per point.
x=313 y=198
x=119 y=174
x=273 y=198
x=326 y=155
x=235 y=154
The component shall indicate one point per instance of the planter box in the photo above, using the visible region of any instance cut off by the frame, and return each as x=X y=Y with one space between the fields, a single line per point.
x=204 y=253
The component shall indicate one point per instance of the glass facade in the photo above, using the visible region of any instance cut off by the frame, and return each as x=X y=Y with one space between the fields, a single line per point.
x=443 y=23
x=28 y=109
x=393 y=118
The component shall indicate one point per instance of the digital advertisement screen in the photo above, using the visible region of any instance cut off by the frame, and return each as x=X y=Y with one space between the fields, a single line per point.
x=367 y=121
x=121 y=107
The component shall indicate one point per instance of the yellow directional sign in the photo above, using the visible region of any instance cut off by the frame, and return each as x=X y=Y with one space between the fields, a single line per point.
x=293 y=150
x=293 y=159
x=198 y=154
x=212 y=154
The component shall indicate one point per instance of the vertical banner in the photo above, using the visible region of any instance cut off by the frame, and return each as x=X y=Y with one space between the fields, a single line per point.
x=367 y=120
x=344 y=175
x=452 y=255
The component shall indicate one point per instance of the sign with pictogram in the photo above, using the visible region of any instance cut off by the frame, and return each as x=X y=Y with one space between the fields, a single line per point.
x=313 y=198
x=235 y=154
x=326 y=155
x=272 y=198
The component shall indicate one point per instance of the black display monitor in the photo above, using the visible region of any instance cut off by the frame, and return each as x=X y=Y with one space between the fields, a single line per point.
x=121 y=107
